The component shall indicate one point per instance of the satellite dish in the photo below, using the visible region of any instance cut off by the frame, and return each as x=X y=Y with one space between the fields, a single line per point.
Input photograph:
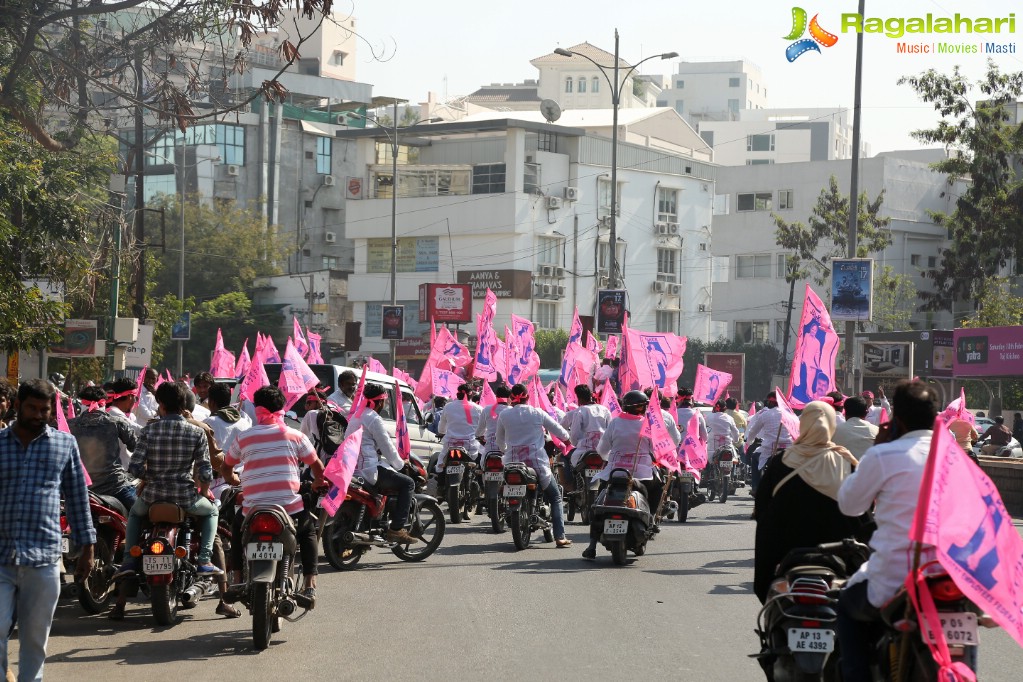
x=550 y=110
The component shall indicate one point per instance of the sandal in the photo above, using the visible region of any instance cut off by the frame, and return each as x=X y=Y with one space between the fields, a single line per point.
x=563 y=542
x=228 y=611
x=116 y=612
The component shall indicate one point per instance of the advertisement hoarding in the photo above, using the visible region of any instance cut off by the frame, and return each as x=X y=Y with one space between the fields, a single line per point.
x=942 y=353
x=734 y=364
x=610 y=311
x=988 y=352
x=882 y=365
x=393 y=326
x=445 y=303
x=852 y=288
x=504 y=283
x=79 y=340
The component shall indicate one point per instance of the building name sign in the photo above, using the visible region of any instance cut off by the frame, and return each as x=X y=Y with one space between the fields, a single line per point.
x=504 y=283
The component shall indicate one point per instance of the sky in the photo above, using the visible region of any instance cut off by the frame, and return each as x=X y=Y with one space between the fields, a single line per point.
x=452 y=47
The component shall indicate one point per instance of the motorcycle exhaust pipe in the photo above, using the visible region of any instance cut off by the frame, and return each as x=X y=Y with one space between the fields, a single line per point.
x=191 y=596
x=286 y=608
x=672 y=507
x=363 y=539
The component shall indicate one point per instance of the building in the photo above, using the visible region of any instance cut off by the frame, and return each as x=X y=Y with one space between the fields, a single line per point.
x=751 y=300
x=714 y=91
x=317 y=299
x=520 y=205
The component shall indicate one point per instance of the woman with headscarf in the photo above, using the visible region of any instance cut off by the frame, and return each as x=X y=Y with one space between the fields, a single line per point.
x=796 y=502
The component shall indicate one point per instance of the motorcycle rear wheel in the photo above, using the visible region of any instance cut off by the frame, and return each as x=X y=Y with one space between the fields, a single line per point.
x=584 y=514
x=570 y=511
x=427 y=524
x=618 y=552
x=262 y=615
x=454 y=508
x=496 y=515
x=96 y=591
x=639 y=550
x=683 y=505
x=724 y=489
x=164 y=601
x=519 y=522
x=340 y=556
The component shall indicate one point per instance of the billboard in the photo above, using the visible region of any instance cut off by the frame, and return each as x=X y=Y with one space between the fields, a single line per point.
x=988 y=352
x=79 y=340
x=393 y=325
x=140 y=353
x=852 y=287
x=610 y=311
x=445 y=303
x=504 y=283
x=734 y=364
x=182 y=328
x=884 y=364
x=942 y=353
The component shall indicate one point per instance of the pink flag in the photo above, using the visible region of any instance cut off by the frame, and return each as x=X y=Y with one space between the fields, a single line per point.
x=62 y=426
x=254 y=379
x=956 y=410
x=611 y=350
x=538 y=397
x=524 y=362
x=609 y=400
x=448 y=348
x=788 y=418
x=960 y=513
x=753 y=409
x=655 y=429
x=575 y=333
x=300 y=343
x=576 y=366
x=270 y=352
x=376 y=366
x=401 y=435
x=222 y=364
x=404 y=376
x=489 y=358
x=358 y=402
x=592 y=344
x=315 y=340
x=241 y=368
x=559 y=399
x=884 y=416
x=296 y=377
x=488 y=398
x=693 y=451
x=170 y=377
x=138 y=382
x=813 y=365
x=445 y=383
x=339 y=470
x=710 y=383
x=652 y=359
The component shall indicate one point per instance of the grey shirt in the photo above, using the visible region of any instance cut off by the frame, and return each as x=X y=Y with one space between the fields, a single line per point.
x=100 y=435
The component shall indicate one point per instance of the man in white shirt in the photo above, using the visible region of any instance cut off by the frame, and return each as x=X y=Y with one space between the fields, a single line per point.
x=379 y=462
x=589 y=423
x=888 y=477
x=855 y=434
x=227 y=422
x=347 y=382
x=686 y=410
x=458 y=423
x=147 y=409
x=723 y=431
x=766 y=425
x=487 y=430
x=874 y=412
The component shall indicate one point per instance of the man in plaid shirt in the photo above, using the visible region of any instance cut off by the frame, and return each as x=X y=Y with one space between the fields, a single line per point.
x=168 y=450
x=37 y=464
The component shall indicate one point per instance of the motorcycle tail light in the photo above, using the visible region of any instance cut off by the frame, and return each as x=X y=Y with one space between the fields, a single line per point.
x=135 y=551
x=593 y=461
x=810 y=624
x=531 y=486
x=945 y=589
x=809 y=598
x=617 y=517
x=513 y=477
x=156 y=547
x=180 y=552
x=455 y=454
x=904 y=625
x=494 y=464
x=725 y=457
x=266 y=523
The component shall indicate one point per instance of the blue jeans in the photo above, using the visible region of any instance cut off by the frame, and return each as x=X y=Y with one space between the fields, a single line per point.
x=34 y=590
x=126 y=496
x=202 y=509
x=552 y=493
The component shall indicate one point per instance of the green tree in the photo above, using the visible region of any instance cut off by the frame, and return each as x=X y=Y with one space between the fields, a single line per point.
x=985 y=141
x=894 y=301
x=997 y=305
x=550 y=344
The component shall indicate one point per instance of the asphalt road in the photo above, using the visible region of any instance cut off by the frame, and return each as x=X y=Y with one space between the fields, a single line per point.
x=478 y=609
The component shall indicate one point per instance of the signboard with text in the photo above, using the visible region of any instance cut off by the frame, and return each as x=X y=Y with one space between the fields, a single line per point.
x=504 y=283
x=414 y=255
x=393 y=327
x=445 y=303
x=852 y=282
x=942 y=353
x=610 y=311
x=988 y=352
x=140 y=353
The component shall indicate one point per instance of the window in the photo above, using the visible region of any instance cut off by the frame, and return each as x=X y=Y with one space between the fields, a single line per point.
x=759 y=162
x=914 y=260
x=783 y=265
x=545 y=315
x=582 y=84
x=680 y=84
x=595 y=84
x=531 y=178
x=680 y=106
x=733 y=82
x=548 y=250
x=324 y=145
x=338 y=58
x=667 y=205
x=422 y=182
x=568 y=84
x=162 y=152
x=785 y=199
x=749 y=104
x=760 y=143
x=667 y=321
x=932 y=261
x=667 y=261
x=752 y=332
x=662 y=102
x=330 y=263
x=779 y=332
x=604 y=198
x=488 y=178
x=602 y=253
x=753 y=266
x=733 y=106
x=755 y=201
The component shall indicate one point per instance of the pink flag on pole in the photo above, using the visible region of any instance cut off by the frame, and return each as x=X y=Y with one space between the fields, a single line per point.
x=62 y=426
x=270 y=352
x=559 y=399
x=788 y=418
x=403 y=441
x=449 y=348
x=524 y=363
x=609 y=400
x=960 y=513
x=222 y=364
x=753 y=409
x=253 y=380
x=575 y=333
x=339 y=470
x=376 y=366
x=576 y=366
x=592 y=344
x=358 y=402
x=655 y=429
x=652 y=359
x=538 y=397
x=611 y=349
x=692 y=450
x=296 y=377
x=710 y=384
x=489 y=358
x=300 y=343
x=398 y=373
x=487 y=398
x=813 y=365
x=445 y=383
x=315 y=343
x=241 y=367
x=956 y=410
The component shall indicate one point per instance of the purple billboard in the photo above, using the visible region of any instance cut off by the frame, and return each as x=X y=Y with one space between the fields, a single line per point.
x=988 y=352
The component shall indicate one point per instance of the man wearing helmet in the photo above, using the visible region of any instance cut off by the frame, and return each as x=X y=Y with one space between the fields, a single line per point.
x=624 y=448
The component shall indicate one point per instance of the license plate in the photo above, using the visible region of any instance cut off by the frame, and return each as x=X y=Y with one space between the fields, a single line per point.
x=158 y=564
x=686 y=476
x=726 y=466
x=811 y=640
x=497 y=476
x=265 y=551
x=456 y=469
x=590 y=473
x=515 y=491
x=65 y=545
x=960 y=628
x=615 y=526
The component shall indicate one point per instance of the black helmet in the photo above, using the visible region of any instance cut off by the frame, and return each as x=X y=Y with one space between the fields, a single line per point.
x=635 y=402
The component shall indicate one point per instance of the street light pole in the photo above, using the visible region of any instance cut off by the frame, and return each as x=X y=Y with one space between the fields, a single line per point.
x=180 y=164
x=394 y=226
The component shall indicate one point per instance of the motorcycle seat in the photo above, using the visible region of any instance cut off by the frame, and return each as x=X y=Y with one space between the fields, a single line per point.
x=112 y=503
x=166 y=512
x=809 y=559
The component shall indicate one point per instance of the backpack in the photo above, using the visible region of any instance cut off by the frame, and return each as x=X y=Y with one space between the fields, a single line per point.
x=330 y=425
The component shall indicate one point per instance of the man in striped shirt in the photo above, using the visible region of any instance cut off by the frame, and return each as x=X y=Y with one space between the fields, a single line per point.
x=270 y=454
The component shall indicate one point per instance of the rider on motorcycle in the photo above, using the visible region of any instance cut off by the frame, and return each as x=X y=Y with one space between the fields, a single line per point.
x=685 y=409
x=520 y=435
x=723 y=431
x=379 y=462
x=487 y=430
x=669 y=420
x=100 y=436
x=623 y=446
x=589 y=423
x=458 y=423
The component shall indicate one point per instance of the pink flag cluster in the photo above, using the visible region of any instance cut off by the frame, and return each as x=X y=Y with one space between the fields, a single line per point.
x=222 y=364
x=651 y=359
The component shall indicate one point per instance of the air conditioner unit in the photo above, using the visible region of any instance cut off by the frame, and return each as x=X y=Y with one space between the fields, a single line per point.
x=676 y=289
x=537 y=290
x=546 y=270
x=559 y=291
x=232 y=169
x=661 y=228
x=328 y=180
x=330 y=237
x=558 y=272
x=553 y=202
x=672 y=228
x=571 y=194
x=659 y=287
x=547 y=290
x=529 y=158
x=602 y=280
x=703 y=246
x=341 y=119
x=702 y=308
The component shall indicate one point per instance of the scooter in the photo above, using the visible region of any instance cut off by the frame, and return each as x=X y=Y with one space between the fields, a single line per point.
x=493 y=479
x=625 y=517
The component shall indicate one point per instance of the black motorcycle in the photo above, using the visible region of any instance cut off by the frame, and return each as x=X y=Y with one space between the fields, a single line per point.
x=493 y=479
x=625 y=516
x=528 y=511
x=581 y=499
x=463 y=491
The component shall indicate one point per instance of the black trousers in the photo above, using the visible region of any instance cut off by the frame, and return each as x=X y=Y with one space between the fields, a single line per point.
x=404 y=486
x=305 y=534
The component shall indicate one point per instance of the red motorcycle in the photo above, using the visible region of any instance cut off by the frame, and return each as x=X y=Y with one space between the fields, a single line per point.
x=363 y=519
x=109 y=518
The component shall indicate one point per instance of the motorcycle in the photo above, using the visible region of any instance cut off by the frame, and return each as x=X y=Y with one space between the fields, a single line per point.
x=493 y=478
x=717 y=476
x=581 y=499
x=681 y=495
x=528 y=511
x=463 y=490
x=109 y=518
x=625 y=515
x=364 y=517
x=1011 y=450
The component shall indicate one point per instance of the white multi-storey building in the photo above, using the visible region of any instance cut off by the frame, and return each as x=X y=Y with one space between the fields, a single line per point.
x=714 y=91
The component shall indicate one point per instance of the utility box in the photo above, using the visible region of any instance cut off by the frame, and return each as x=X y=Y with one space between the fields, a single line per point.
x=126 y=329
x=120 y=358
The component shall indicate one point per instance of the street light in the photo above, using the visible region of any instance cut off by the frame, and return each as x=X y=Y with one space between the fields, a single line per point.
x=393 y=139
x=616 y=98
